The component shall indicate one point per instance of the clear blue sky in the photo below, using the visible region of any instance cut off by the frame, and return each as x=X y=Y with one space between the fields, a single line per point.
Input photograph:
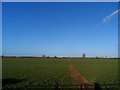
x=61 y=29
x=0 y=28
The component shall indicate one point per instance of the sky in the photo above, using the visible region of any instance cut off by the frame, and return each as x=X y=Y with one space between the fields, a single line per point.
x=60 y=0
x=0 y=28
x=60 y=29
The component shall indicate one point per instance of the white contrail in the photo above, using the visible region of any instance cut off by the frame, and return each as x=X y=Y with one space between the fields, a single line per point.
x=105 y=19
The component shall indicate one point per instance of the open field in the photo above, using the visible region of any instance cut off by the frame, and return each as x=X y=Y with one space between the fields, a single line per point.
x=41 y=72
x=98 y=70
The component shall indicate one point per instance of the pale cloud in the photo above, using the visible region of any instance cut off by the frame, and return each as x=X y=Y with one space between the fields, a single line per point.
x=107 y=18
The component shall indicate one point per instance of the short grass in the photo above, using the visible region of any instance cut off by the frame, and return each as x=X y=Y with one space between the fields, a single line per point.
x=36 y=71
x=47 y=71
x=102 y=71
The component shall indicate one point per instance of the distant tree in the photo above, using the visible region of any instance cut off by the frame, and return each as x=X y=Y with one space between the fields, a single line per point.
x=55 y=56
x=83 y=55
x=48 y=57
x=43 y=56
x=97 y=57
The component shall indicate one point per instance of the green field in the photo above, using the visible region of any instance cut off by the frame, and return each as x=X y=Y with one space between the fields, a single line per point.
x=36 y=72
x=97 y=70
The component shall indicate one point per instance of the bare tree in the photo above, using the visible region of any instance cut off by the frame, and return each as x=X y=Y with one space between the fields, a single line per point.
x=43 y=56
x=55 y=56
x=83 y=55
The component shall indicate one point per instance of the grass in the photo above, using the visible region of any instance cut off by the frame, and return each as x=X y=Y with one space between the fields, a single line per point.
x=102 y=71
x=34 y=72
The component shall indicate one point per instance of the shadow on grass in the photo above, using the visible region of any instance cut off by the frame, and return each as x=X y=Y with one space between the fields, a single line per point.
x=10 y=81
x=97 y=86
x=7 y=84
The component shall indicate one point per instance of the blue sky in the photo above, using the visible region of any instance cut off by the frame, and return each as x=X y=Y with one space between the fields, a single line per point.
x=0 y=28
x=61 y=29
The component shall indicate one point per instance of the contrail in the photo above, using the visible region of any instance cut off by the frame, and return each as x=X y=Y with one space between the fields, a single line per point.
x=105 y=19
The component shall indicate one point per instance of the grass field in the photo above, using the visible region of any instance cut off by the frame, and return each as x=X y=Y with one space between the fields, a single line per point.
x=98 y=70
x=34 y=72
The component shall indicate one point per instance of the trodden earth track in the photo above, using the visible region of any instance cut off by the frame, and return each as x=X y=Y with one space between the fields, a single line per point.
x=78 y=78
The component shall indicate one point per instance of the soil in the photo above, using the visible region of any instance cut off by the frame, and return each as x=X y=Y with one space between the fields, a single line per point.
x=77 y=76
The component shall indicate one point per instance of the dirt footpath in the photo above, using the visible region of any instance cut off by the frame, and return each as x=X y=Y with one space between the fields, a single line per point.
x=76 y=75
